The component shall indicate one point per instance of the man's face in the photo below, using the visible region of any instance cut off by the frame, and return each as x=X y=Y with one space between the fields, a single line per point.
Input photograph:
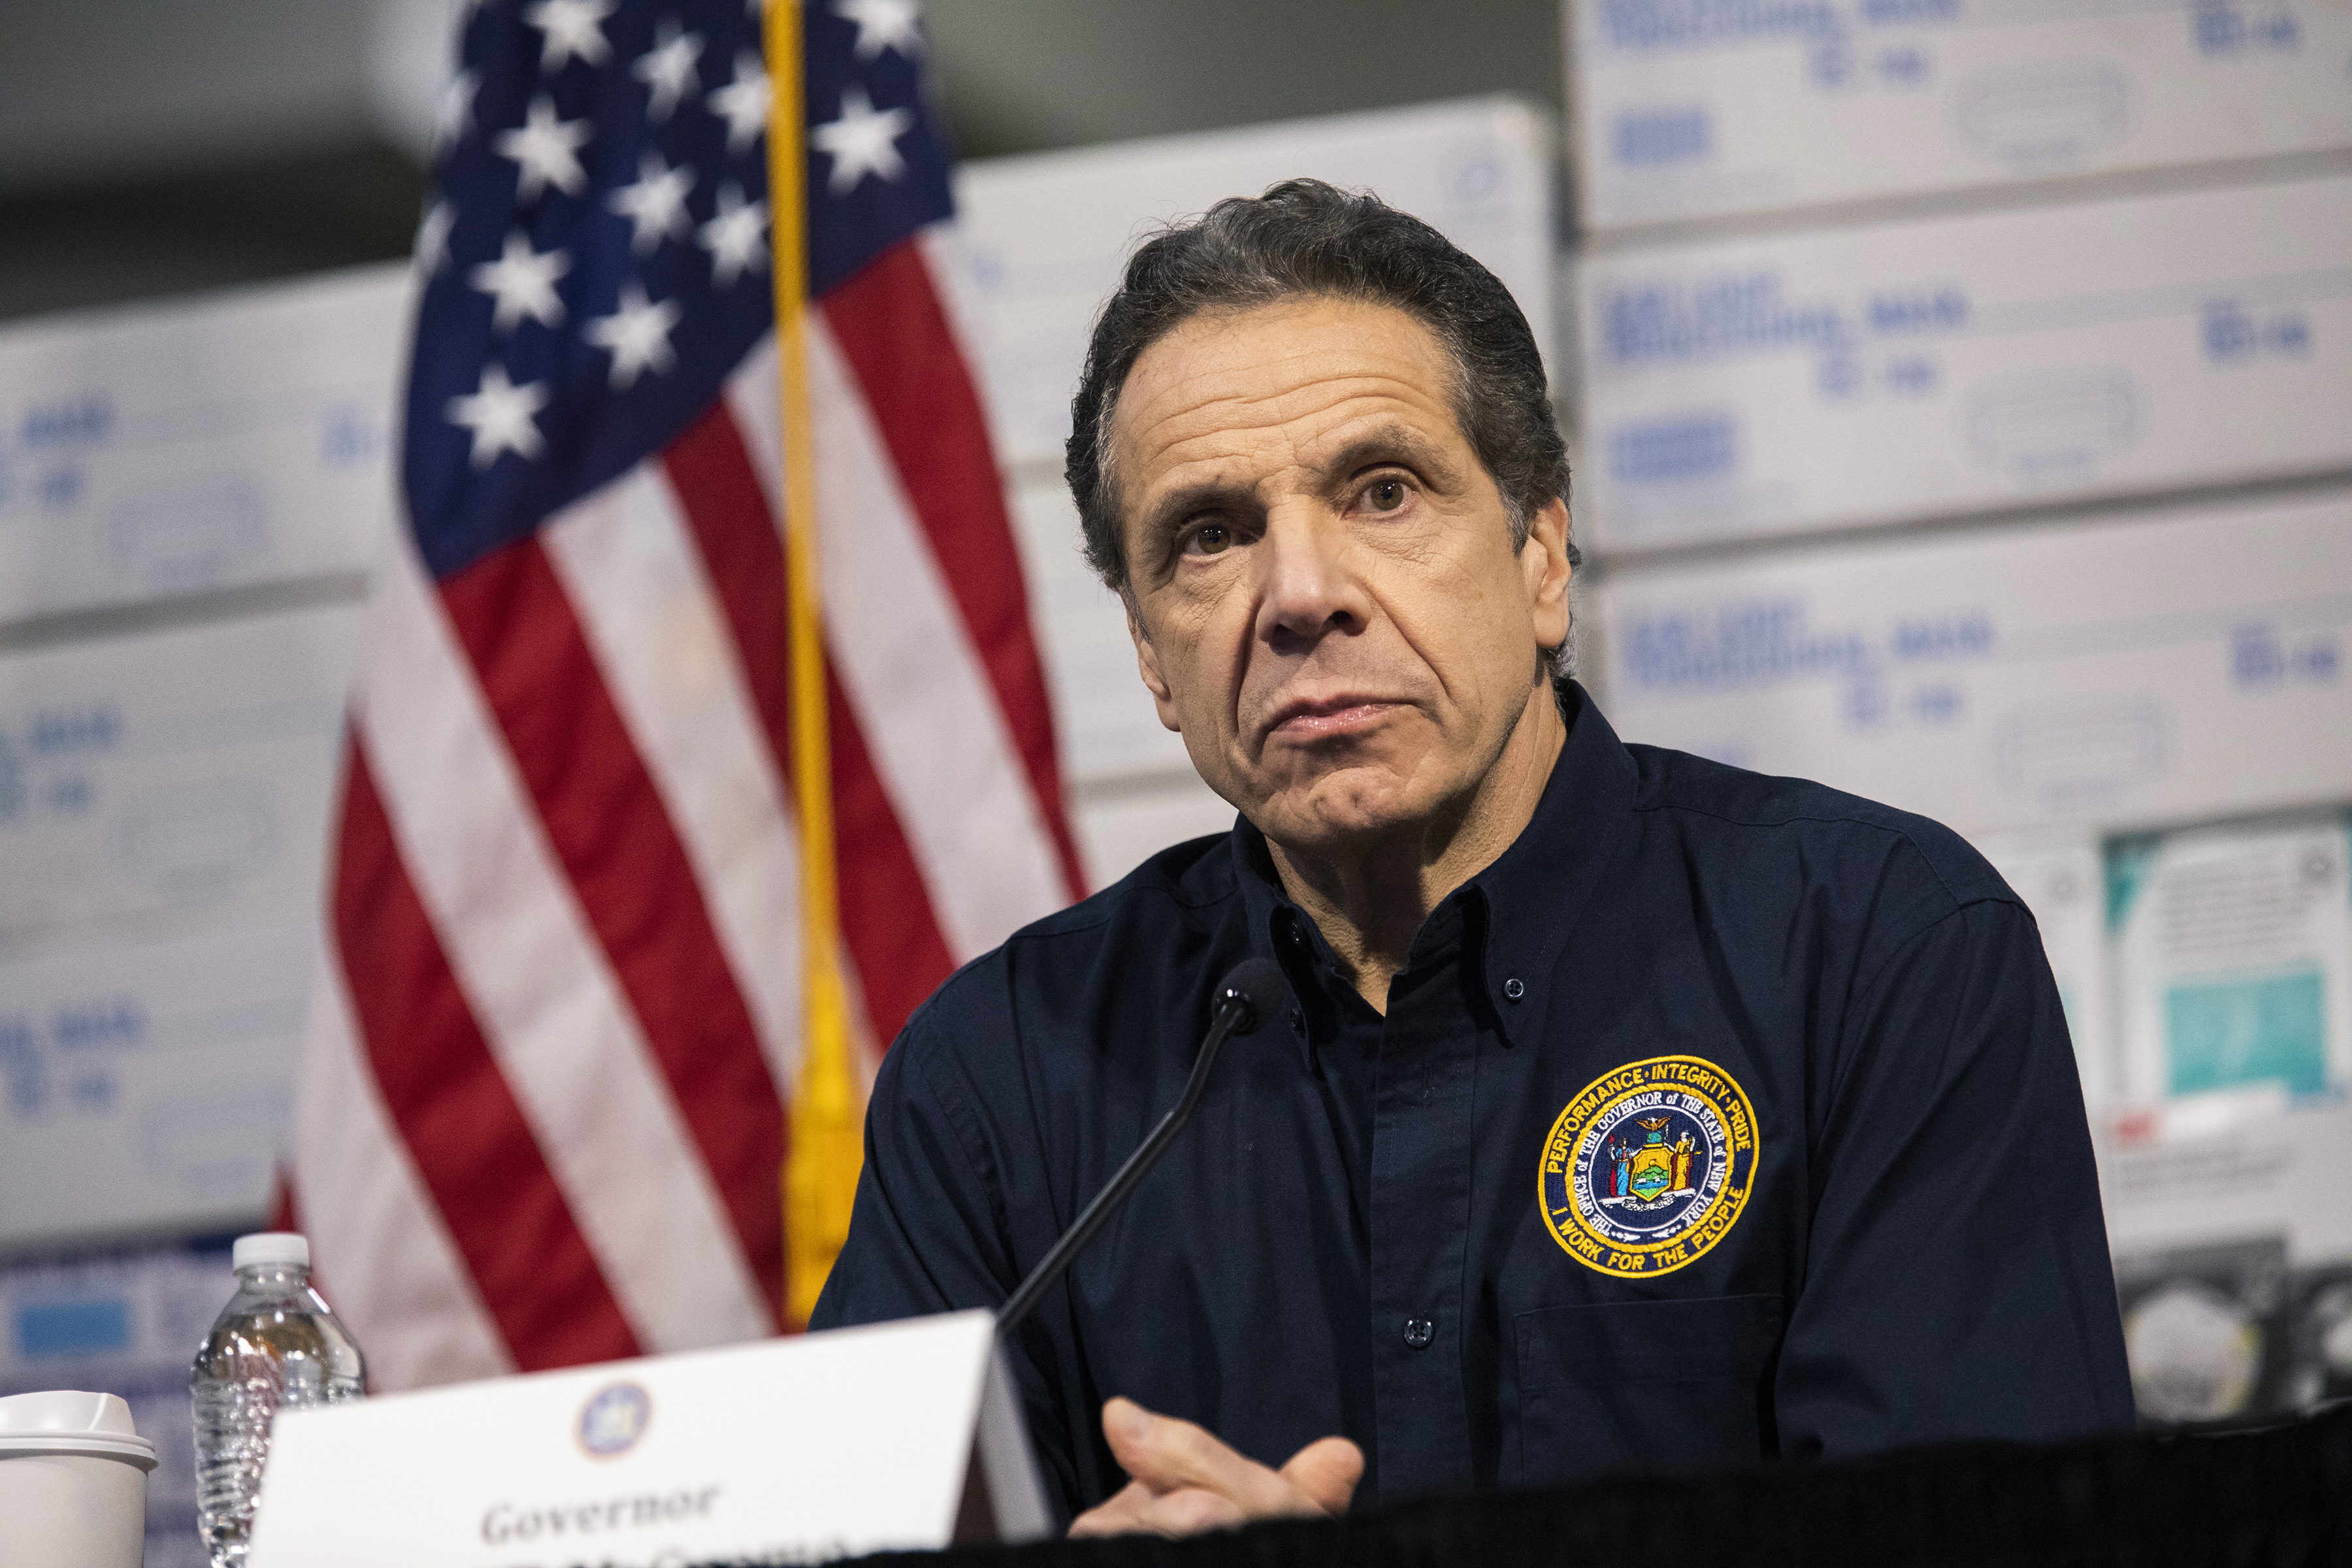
x=1323 y=592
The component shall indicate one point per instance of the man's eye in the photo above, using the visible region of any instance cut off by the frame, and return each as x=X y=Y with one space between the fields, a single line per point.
x=1209 y=539
x=1384 y=495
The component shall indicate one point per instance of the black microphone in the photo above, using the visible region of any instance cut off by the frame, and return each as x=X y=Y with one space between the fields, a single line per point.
x=1250 y=993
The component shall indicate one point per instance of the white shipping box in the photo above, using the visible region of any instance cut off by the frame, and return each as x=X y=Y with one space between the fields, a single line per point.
x=167 y=449
x=146 y=1085
x=1103 y=716
x=1825 y=379
x=155 y=783
x=2284 y=1172
x=2233 y=1242
x=2152 y=669
x=2234 y=960
x=1041 y=242
x=1686 y=108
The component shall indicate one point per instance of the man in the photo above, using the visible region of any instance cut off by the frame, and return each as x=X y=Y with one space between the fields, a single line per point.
x=1637 y=1113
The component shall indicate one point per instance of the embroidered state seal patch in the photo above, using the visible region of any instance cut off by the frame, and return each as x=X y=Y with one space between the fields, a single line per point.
x=1648 y=1166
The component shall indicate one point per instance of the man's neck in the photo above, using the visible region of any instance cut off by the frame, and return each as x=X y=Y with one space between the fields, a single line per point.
x=1371 y=901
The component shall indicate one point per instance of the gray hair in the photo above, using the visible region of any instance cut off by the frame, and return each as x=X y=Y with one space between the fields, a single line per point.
x=1303 y=237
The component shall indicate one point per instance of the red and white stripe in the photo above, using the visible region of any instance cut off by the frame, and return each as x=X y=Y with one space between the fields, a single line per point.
x=544 y=1112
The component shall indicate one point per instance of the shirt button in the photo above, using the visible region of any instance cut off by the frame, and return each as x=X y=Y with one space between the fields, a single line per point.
x=1515 y=987
x=1419 y=1331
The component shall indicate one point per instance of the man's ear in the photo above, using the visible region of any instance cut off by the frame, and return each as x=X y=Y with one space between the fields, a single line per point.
x=1147 y=663
x=1543 y=566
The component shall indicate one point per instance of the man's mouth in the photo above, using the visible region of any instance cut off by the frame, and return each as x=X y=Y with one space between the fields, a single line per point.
x=1314 y=719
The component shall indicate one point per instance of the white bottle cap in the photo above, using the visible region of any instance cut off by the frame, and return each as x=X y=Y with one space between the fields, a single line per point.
x=270 y=1248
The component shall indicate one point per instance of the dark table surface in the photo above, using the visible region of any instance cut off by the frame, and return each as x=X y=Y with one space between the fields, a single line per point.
x=2277 y=1494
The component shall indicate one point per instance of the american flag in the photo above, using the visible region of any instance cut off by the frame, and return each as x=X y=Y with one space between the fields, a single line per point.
x=547 y=1089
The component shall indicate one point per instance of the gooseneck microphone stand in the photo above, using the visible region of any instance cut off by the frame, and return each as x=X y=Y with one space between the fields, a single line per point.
x=1250 y=992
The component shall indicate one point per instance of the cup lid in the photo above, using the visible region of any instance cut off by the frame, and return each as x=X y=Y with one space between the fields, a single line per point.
x=70 y=1421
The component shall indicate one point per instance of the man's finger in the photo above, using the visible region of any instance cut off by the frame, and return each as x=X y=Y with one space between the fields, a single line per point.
x=1119 y=1514
x=1169 y=1455
x=1190 y=1510
x=1326 y=1470
x=1136 y=1507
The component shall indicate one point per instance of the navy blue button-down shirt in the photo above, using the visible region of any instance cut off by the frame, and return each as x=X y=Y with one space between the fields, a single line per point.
x=1721 y=1117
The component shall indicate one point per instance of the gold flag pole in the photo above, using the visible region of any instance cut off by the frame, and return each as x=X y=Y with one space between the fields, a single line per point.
x=819 y=1175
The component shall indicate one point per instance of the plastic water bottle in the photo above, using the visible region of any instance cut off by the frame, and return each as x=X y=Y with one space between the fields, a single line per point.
x=277 y=1342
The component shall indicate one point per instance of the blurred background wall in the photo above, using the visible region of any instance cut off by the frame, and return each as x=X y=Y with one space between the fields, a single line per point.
x=1960 y=396
x=156 y=147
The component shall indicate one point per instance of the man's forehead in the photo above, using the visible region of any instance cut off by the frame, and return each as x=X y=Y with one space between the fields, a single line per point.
x=1251 y=355
x=1318 y=372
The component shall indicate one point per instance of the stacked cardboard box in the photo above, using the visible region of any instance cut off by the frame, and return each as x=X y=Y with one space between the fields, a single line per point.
x=189 y=497
x=1962 y=388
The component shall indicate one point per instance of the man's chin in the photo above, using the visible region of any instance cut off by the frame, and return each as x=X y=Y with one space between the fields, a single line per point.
x=1326 y=822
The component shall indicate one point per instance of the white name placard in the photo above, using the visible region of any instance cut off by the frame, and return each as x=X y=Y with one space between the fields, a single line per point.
x=897 y=1436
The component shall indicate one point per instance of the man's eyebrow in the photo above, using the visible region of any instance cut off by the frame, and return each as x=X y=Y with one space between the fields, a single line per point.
x=1390 y=443
x=1165 y=514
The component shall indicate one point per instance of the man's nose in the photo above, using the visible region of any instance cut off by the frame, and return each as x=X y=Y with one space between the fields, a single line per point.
x=1311 y=585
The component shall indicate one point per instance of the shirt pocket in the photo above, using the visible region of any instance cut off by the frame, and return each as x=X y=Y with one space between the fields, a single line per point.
x=1641 y=1387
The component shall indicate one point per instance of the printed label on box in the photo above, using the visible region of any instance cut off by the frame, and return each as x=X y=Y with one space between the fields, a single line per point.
x=1834 y=378
x=168 y=449
x=2140 y=672
x=2234 y=956
x=152 y=781
x=147 y=1085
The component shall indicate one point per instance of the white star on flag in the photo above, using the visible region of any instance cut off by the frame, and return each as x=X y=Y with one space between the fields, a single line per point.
x=573 y=28
x=667 y=68
x=456 y=115
x=546 y=151
x=655 y=204
x=638 y=333
x=864 y=141
x=743 y=103
x=738 y=237
x=499 y=415
x=524 y=280
x=433 y=237
x=882 y=24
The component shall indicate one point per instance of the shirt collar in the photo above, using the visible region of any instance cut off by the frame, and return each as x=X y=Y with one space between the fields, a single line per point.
x=1537 y=889
x=1517 y=912
x=1280 y=930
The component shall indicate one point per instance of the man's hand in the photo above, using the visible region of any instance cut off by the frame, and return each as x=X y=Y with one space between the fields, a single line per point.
x=1184 y=1480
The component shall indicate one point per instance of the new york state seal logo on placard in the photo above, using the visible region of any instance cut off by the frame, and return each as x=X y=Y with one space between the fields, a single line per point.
x=1648 y=1166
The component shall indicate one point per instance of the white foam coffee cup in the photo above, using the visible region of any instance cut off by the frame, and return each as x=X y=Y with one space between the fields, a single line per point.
x=73 y=1480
